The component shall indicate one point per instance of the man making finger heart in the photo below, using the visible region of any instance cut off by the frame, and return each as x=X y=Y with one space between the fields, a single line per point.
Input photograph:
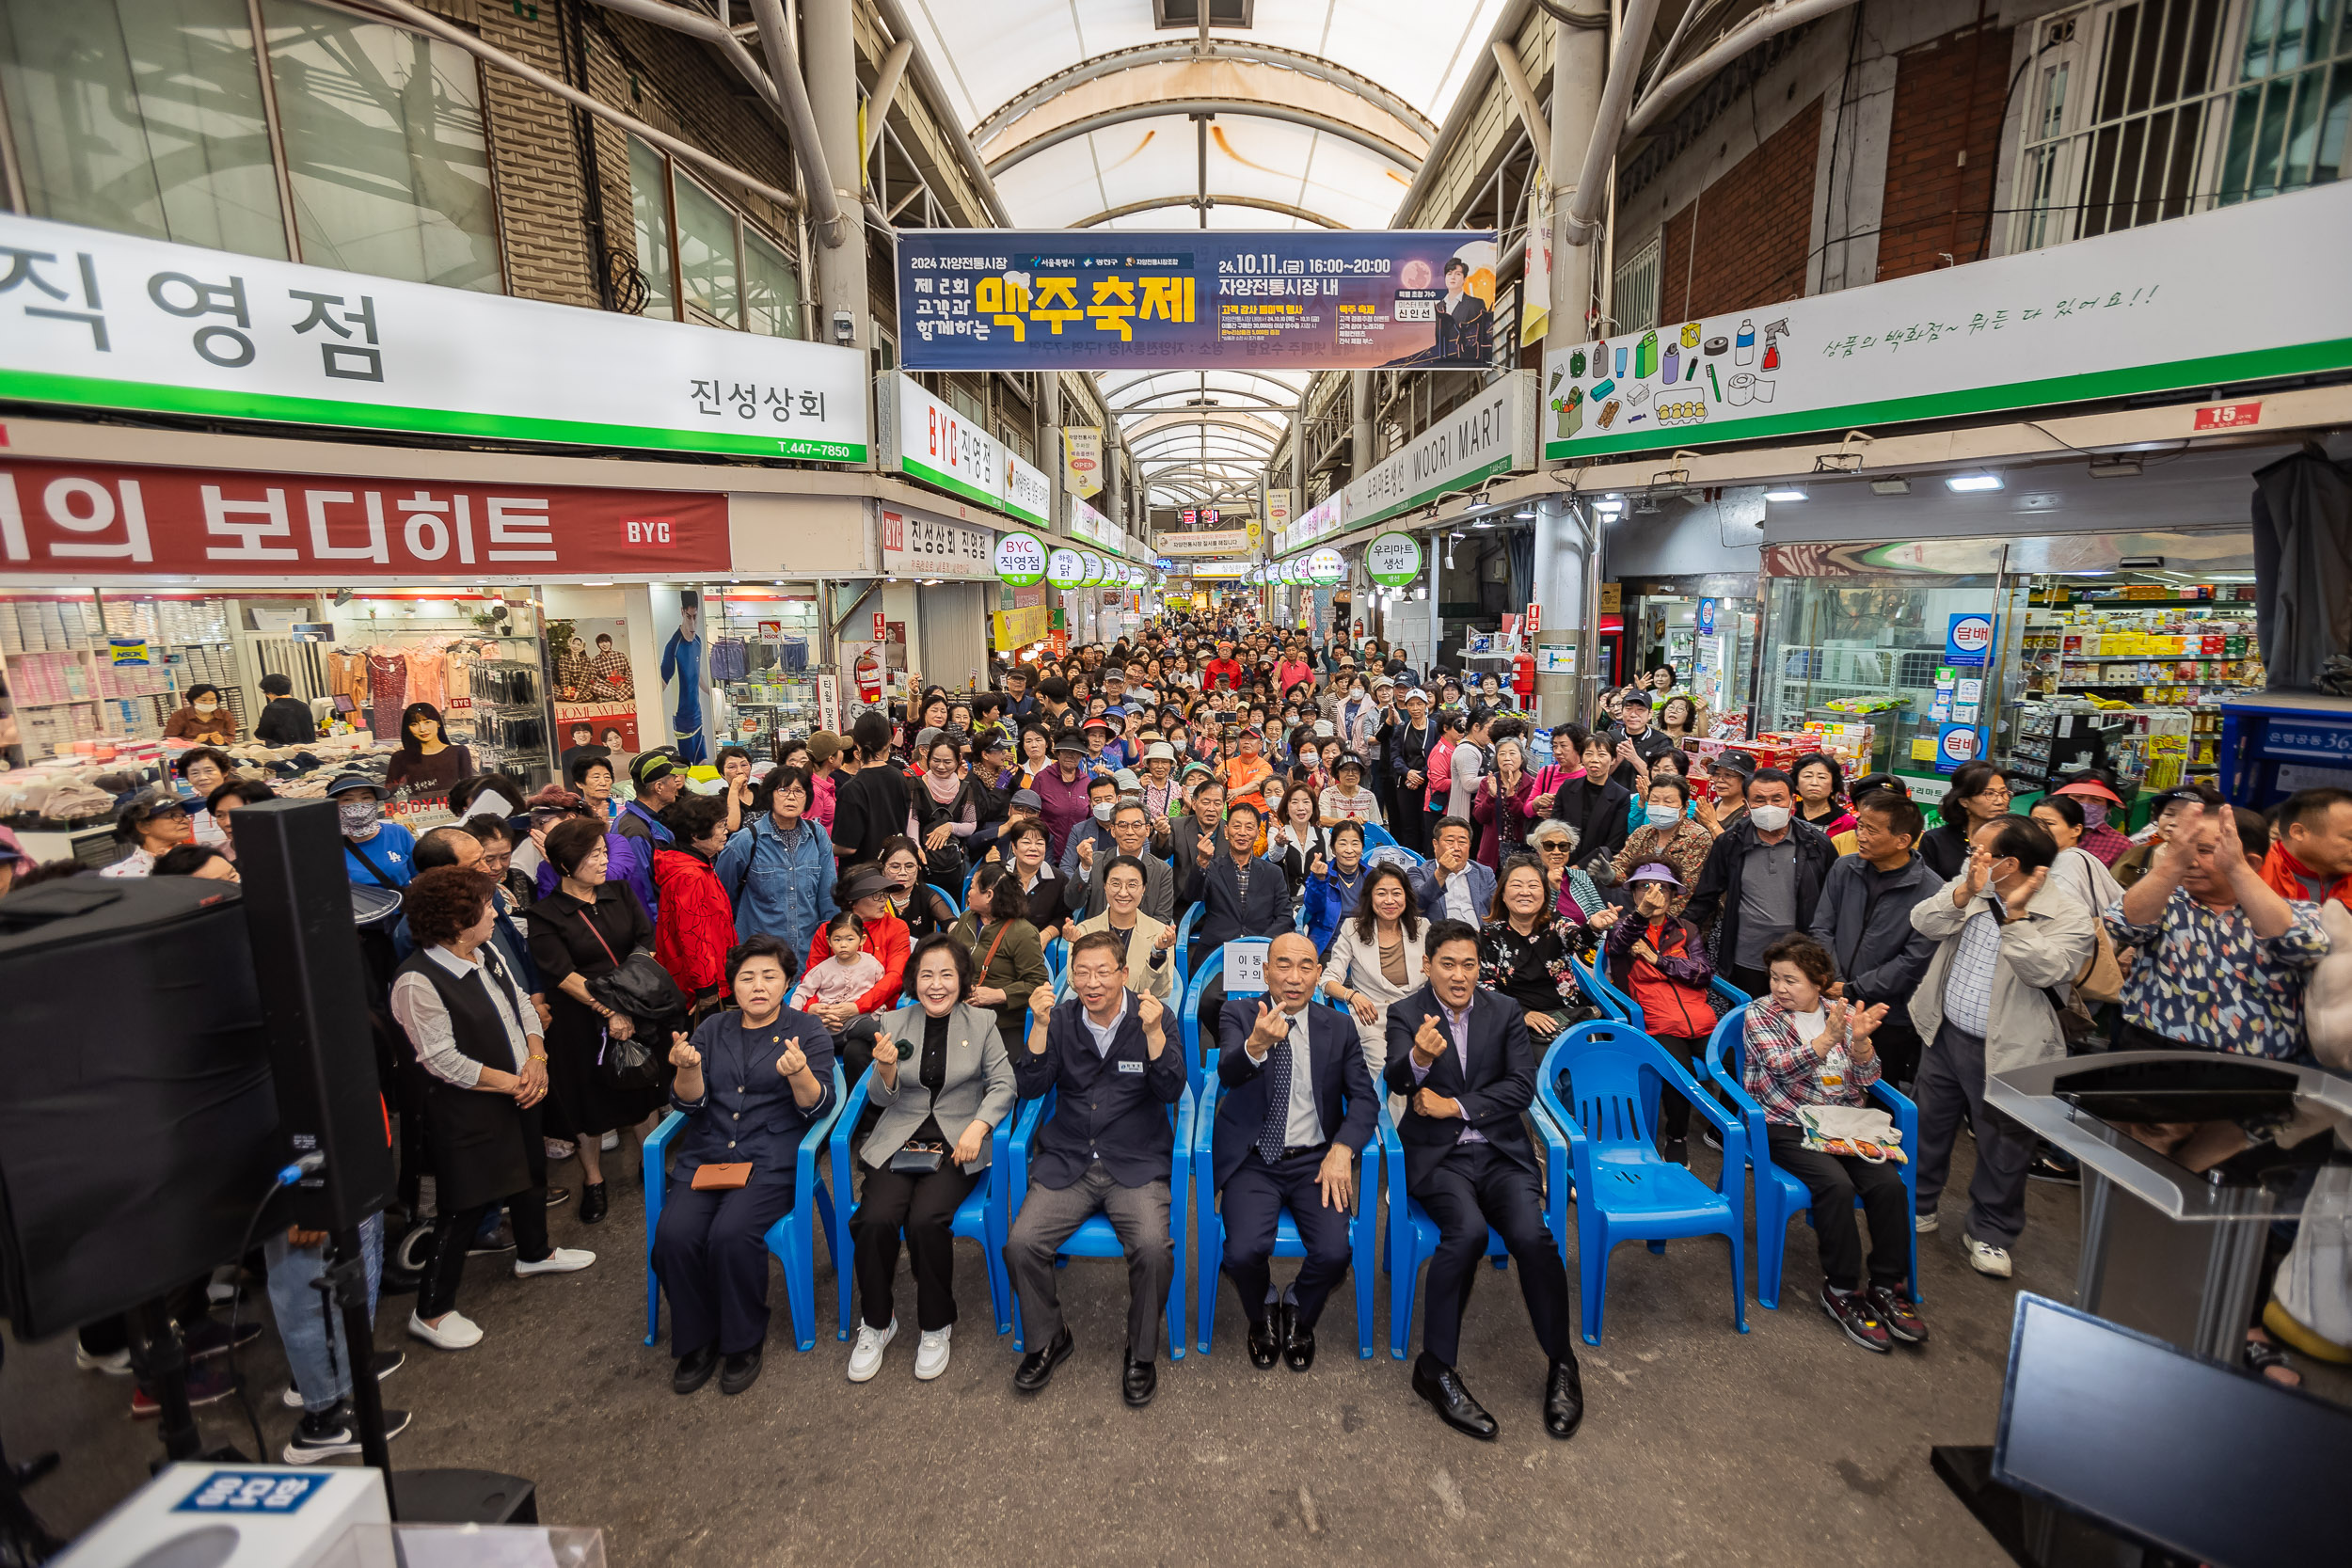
x=1296 y=1109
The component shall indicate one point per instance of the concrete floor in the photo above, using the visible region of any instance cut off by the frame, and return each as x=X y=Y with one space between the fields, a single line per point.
x=1781 y=1446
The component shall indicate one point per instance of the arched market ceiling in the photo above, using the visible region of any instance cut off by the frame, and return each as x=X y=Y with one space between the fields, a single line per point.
x=1322 y=109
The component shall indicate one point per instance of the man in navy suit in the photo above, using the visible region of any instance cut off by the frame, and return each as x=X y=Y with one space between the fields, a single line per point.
x=1459 y=1052
x=1241 y=895
x=1295 y=1111
x=1450 y=886
x=1107 y=1150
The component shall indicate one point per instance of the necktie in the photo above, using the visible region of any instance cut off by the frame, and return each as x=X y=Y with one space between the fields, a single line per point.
x=1271 y=1132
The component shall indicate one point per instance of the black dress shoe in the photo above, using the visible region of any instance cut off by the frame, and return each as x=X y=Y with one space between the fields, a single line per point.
x=1037 y=1367
x=1563 y=1400
x=558 y=1194
x=1441 y=1385
x=1266 y=1339
x=1298 y=1344
x=694 y=1370
x=741 y=1373
x=592 y=1203
x=1139 y=1382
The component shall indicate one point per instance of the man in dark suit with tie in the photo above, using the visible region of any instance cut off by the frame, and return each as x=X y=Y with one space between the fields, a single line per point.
x=1241 y=895
x=1105 y=1150
x=1459 y=1052
x=1296 y=1109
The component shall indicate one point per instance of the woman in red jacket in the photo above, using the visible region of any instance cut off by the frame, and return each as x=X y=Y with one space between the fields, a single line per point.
x=696 y=925
x=864 y=891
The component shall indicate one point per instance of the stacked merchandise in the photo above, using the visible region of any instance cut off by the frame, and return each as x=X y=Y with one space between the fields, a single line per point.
x=765 y=673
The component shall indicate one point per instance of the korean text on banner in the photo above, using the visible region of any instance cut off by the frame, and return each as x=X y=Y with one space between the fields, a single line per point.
x=100 y=319
x=1245 y=966
x=1186 y=299
x=913 y=545
x=1082 y=459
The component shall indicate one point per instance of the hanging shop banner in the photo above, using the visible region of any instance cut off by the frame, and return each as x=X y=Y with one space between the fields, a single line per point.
x=1082 y=459
x=1194 y=299
x=1326 y=566
x=914 y=546
x=2125 y=314
x=1393 y=559
x=1029 y=494
x=1019 y=560
x=1277 y=511
x=100 y=519
x=1063 y=569
x=1494 y=433
x=1018 y=629
x=1206 y=542
x=98 y=319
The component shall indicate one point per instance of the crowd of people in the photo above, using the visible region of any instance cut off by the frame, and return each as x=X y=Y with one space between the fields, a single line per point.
x=1431 y=871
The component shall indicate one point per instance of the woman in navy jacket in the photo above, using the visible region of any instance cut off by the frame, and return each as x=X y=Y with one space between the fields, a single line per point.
x=750 y=1085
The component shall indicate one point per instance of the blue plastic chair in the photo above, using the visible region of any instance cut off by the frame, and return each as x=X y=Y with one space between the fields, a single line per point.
x=1378 y=837
x=792 y=1238
x=1363 y=1226
x=1196 y=1069
x=1608 y=998
x=953 y=905
x=1412 y=1235
x=1624 y=1189
x=1185 y=926
x=1095 y=1238
x=1780 y=1196
x=1057 y=958
x=980 y=1218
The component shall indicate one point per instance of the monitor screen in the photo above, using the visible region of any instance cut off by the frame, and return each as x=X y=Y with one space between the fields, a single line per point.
x=2194 y=1458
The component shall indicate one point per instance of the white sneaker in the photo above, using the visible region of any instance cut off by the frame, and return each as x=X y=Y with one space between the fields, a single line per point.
x=556 y=1148
x=1992 y=1261
x=115 y=1365
x=456 y=1330
x=1926 y=1224
x=610 y=1142
x=865 y=1356
x=562 y=1259
x=930 y=1354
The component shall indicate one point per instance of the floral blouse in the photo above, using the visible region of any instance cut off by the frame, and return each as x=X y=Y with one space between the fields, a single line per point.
x=1533 y=971
x=1681 y=848
x=2204 y=978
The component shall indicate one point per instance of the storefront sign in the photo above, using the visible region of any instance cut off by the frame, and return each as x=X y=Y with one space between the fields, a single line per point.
x=924 y=438
x=1393 y=559
x=2228 y=415
x=1028 y=495
x=100 y=319
x=1090 y=525
x=1019 y=560
x=1706 y=617
x=1326 y=566
x=1958 y=744
x=913 y=545
x=2121 y=315
x=1194 y=299
x=1232 y=541
x=1063 y=569
x=1494 y=433
x=84 y=519
x=1968 y=638
x=1082 y=459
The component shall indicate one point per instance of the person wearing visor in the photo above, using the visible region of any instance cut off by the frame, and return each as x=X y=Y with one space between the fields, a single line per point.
x=153 y=823
x=2100 y=841
x=376 y=853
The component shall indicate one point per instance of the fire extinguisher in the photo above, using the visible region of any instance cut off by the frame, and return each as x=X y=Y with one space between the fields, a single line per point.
x=868 y=671
x=1523 y=673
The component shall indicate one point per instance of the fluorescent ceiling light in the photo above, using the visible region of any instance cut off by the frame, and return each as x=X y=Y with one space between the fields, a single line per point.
x=1966 y=485
x=1523 y=515
x=1890 y=486
x=1784 y=495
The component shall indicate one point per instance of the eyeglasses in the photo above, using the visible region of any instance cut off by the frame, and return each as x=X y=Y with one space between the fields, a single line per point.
x=1554 y=848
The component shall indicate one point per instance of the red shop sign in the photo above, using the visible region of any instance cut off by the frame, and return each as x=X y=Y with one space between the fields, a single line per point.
x=118 y=520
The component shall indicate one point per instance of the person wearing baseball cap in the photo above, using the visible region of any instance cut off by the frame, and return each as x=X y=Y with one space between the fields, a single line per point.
x=656 y=776
x=376 y=853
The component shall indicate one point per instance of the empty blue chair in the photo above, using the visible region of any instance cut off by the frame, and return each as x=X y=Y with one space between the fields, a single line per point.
x=1378 y=837
x=1095 y=1238
x=1057 y=961
x=1364 y=1228
x=1624 y=1190
x=1412 y=1235
x=980 y=1218
x=1196 y=1068
x=792 y=1239
x=1780 y=1196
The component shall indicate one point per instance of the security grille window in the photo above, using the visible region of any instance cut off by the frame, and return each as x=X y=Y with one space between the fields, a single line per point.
x=701 y=260
x=150 y=118
x=2140 y=110
x=1634 y=292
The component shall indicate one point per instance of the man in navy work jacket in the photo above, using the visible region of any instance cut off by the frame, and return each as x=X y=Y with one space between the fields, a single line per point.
x=1459 y=1052
x=1105 y=1150
x=1296 y=1109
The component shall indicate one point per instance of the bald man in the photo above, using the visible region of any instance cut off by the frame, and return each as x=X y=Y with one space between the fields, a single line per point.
x=1295 y=1108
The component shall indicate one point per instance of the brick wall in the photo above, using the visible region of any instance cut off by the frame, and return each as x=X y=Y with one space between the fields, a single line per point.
x=1942 y=149
x=1743 y=241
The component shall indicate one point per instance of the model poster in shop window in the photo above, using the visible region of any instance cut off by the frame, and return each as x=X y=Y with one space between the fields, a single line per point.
x=596 y=691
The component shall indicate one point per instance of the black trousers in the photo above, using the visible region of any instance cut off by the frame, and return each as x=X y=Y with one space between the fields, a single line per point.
x=1758 y=983
x=1407 y=820
x=924 y=1209
x=1477 y=1186
x=1835 y=1180
x=1252 y=1209
x=453 y=1234
x=1673 y=1112
x=1899 y=1047
x=710 y=1251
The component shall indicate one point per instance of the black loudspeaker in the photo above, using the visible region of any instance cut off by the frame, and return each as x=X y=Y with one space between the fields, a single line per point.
x=138 y=1124
x=315 y=996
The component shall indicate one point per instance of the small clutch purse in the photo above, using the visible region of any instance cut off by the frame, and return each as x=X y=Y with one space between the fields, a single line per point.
x=721 y=1179
x=918 y=1159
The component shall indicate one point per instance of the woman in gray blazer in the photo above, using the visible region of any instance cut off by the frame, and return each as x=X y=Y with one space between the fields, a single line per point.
x=939 y=1065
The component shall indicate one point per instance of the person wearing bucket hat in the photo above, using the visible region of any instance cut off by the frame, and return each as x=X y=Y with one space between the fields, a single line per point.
x=1160 y=791
x=376 y=853
x=656 y=776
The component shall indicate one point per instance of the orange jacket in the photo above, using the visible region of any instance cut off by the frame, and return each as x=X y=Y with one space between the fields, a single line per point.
x=2280 y=871
x=886 y=939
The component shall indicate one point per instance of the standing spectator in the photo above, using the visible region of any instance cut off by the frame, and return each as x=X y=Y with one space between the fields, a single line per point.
x=375 y=853
x=1864 y=920
x=1589 y=800
x=696 y=929
x=1639 y=741
x=1502 y=806
x=1986 y=1005
x=1979 y=793
x=1411 y=739
x=1064 y=791
x=2312 y=858
x=1656 y=959
x=1193 y=837
x=2099 y=803
x=778 y=872
x=285 y=719
x=1468 y=765
x=1241 y=894
x=1821 y=793
x=2222 y=959
x=1762 y=879
x=824 y=772
x=1007 y=954
x=875 y=803
x=1669 y=836
x=2076 y=869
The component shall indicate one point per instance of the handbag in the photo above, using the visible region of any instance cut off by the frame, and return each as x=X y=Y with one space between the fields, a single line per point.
x=631 y=1064
x=918 y=1159
x=1864 y=1131
x=2102 y=979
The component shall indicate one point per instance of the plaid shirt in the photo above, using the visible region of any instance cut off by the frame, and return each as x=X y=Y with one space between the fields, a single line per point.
x=1784 y=1075
x=2105 y=844
x=2204 y=978
x=1968 y=983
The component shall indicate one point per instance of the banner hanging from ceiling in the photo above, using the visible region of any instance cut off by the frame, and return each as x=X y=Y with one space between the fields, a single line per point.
x=984 y=299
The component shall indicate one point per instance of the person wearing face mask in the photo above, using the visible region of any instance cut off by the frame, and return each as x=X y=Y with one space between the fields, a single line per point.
x=376 y=853
x=1090 y=840
x=2098 y=802
x=1668 y=835
x=1762 y=879
x=204 y=719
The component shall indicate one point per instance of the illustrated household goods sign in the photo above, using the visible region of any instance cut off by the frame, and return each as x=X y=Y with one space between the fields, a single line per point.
x=97 y=320
x=1188 y=299
x=2248 y=291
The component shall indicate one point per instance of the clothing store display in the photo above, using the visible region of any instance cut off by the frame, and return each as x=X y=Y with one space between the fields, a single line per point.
x=387 y=691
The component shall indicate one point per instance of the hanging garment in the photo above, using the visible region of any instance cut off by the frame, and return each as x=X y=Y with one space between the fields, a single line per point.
x=2304 y=573
x=424 y=677
x=457 y=673
x=387 y=691
x=347 y=676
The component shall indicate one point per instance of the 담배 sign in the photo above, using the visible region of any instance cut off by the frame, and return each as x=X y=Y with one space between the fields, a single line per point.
x=1245 y=966
x=1196 y=299
x=1957 y=745
x=1968 y=640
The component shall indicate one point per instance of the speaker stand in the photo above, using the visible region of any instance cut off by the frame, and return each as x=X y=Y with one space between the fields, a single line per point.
x=160 y=1363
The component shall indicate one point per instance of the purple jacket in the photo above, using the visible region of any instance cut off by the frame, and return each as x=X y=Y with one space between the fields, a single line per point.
x=1063 y=804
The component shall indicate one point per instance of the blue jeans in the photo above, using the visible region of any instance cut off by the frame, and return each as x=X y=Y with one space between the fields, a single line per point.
x=296 y=1307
